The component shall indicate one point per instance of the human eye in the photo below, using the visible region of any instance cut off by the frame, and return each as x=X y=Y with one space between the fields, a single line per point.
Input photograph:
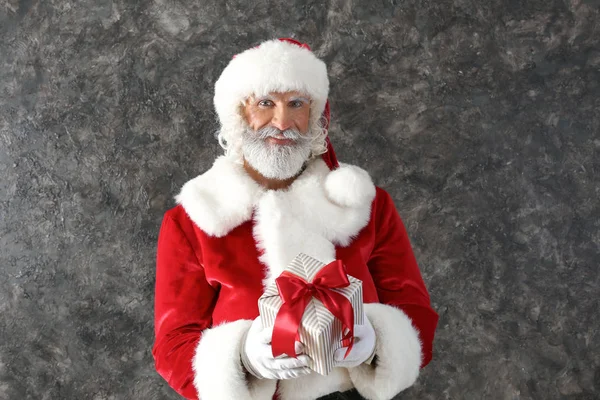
x=296 y=103
x=265 y=103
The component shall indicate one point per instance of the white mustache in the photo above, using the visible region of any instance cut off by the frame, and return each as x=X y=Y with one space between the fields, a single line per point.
x=270 y=131
x=279 y=162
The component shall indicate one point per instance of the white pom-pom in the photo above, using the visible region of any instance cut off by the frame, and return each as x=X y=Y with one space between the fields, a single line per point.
x=349 y=186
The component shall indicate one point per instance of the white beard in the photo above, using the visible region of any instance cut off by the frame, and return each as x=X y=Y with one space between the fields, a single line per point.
x=276 y=161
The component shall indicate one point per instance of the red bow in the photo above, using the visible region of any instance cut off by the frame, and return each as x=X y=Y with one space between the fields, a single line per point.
x=296 y=293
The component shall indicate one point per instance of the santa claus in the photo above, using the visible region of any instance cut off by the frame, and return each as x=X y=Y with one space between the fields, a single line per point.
x=276 y=192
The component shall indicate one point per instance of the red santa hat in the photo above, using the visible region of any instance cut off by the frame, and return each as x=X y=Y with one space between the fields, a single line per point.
x=278 y=65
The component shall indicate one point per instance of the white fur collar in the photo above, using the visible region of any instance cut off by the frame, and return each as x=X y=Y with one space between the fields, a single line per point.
x=220 y=199
x=320 y=210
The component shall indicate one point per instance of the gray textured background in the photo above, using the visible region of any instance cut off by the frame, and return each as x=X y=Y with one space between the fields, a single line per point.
x=481 y=118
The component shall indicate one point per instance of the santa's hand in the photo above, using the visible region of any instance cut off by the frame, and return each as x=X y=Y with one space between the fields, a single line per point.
x=363 y=349
x=257 y=356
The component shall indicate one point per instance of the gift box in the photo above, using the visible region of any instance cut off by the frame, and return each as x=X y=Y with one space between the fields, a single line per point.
x=316 y=304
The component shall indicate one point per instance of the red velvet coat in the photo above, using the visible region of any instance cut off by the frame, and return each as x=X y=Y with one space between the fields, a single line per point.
x=228 y=238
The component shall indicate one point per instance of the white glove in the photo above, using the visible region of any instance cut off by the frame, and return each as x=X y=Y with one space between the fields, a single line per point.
x=257 y=356
x=363 y=349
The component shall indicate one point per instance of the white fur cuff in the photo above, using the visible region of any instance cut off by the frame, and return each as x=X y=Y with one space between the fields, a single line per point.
x=218 y=370
x=398 y=353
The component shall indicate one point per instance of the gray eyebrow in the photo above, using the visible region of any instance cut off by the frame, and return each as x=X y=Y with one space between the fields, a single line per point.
x=265 y=97
x=304 y=99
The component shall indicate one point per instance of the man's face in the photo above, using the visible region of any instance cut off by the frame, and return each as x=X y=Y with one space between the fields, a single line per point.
x=278 y=141
x=288 y=110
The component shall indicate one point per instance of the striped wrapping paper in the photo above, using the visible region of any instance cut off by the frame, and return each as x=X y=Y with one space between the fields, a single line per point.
x=320 y=331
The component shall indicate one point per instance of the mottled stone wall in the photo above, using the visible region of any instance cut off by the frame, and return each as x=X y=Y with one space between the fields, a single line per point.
x=481 y=118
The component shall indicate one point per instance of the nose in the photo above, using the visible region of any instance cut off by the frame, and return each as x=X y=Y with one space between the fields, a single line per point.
x=282 y=119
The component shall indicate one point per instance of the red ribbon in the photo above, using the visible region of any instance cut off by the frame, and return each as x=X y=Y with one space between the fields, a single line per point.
x=296 y=293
